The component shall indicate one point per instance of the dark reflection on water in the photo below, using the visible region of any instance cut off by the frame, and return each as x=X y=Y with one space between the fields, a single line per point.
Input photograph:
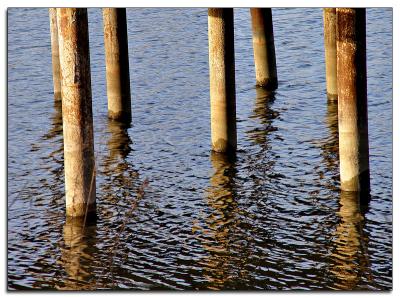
x=273 y=217
x=119 y=172
x=265 y=114
x=330 y=148
x=119 y=143
x=56 y=122
x=54 y=135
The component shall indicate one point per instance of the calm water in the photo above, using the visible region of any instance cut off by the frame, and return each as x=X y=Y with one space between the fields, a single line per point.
x=274 y=218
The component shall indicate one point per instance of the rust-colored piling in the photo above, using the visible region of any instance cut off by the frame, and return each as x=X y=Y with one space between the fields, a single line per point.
x=55 y=56
x=264 y=48
x=222 y=79
x=117 y=64
x=352 y=99
x=79 y=162
x=330 y=52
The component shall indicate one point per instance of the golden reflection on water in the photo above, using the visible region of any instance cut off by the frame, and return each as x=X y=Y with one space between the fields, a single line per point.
x=223 y=263
x=77 y=254
x=349 y=258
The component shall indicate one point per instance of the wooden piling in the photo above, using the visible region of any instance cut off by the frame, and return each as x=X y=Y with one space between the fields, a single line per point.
x=264 y=48
x=330 y=52
x=117 y=64
x=55 y=56
x=352 y=99
x=79 y=162
x=222 y=79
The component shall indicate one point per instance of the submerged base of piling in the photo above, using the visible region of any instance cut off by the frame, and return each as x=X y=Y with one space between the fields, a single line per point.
x=88 y=219
x=121 y=116
x=268 y=84
x=331 y=97
x=57 y=96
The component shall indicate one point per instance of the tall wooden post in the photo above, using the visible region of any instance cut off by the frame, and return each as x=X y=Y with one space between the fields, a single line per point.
x=79 y=162
x=330 y=52
x=264 y=48
x=222 y=79
x=117 y=64
x=352 y=99
x=55 y=57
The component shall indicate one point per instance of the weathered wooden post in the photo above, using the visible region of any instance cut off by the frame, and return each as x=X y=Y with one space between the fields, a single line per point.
x=352 y=99
x=222 y=79
x=117 y=64
x=79 y=162
x=330 y=52
x=55 y=56
x=264 y=48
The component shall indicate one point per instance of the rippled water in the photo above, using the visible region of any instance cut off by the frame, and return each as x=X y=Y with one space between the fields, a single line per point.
x=274 y=218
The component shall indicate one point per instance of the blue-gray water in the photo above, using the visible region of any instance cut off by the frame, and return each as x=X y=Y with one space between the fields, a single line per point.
x=274 y=218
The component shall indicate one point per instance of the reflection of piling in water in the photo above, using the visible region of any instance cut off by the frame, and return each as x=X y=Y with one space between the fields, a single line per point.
x=350 y=254
x=264 y=48
x=117 y=64
x=222 y=266
x=352 y=97
x=264 y=98
x=79 y=160
x=55 y=56
x=330 y=52
x=220 y=192
x=332 y=118
x=263 y=112
x=330 y=148
x=121 y=174
x=119 y=141
x=220 y=198
x=222 y=79
x=56 y=128
x=77 y=254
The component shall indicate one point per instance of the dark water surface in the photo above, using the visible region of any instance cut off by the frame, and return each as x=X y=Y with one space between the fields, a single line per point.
x=274 y=218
